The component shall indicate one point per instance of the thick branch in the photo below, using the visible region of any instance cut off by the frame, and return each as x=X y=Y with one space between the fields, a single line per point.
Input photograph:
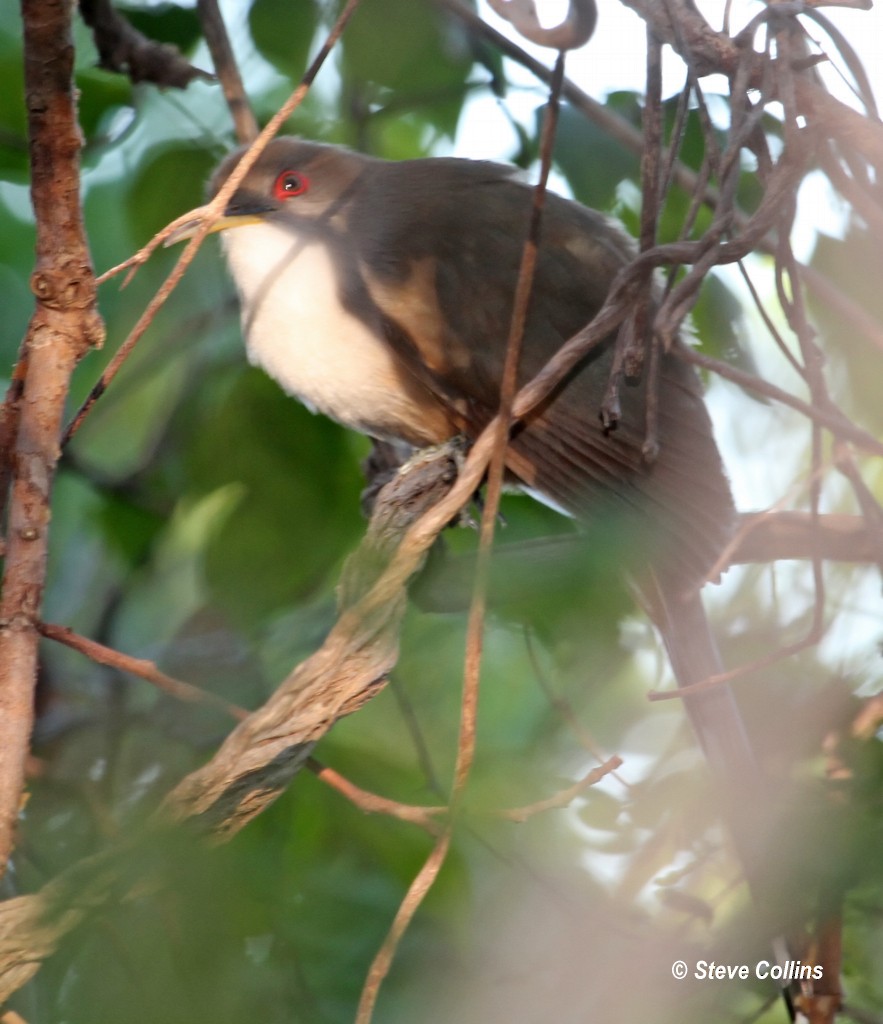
x=263 y=753
x=64 y=325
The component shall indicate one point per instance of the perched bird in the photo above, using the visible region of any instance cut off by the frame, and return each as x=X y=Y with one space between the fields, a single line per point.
x=380 y=293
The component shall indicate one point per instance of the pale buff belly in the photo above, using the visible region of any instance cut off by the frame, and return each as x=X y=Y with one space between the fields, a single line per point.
x=296 y=329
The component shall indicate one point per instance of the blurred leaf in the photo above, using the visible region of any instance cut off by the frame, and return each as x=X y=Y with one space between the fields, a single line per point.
x=173 y=587
x=749 y=192
x=130 y=528
x=425 y=60
x=600 y=810
x=103 y=96
x=164 y=23
x=300 y=511
x=16 y=262
x=13 y=118
x=151 y=202
x=692 y=144
x=717 y=318
x=83 y=567
x=592 y=161
x=283 y=31
x=397 y=137
x=854 y=265
x=490 y=58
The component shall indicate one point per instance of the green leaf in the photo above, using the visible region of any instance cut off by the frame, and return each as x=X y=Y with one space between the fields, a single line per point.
x=103 y=95
x=424 y=61
x=16 y=264
x=854 y=265
x=13 y=117
x=593 y=162
x=151 y=202
x=165 y=23
x=717 y=317
x=283 y=31
x=300 y=510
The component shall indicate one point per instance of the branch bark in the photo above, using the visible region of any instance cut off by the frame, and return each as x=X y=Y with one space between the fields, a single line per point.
x=65 y=324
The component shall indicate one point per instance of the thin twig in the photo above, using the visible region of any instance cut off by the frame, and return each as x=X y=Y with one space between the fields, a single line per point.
x=564 y=797
x=833 y=419
x=417 y=890
x=140 y=667
x=496 y=468
x=573 y=32
x=372 y=803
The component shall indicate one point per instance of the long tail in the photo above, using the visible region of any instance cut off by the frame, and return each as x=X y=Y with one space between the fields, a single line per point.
x=717 y=722
x=694 y=657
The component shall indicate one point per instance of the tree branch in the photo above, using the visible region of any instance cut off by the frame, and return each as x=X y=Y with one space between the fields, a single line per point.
x=124 y=49
x=215 y=32
x=64 y=325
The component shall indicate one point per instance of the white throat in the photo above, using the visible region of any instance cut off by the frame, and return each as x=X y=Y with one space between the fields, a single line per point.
x=297 y=329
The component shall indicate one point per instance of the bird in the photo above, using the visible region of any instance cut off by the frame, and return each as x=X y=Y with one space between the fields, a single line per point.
x=379 y=293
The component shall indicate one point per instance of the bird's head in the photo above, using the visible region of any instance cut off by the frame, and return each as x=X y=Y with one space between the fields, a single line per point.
x=292 y=182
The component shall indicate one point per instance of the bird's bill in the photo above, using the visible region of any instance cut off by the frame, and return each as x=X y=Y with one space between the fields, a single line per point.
x=187 y=225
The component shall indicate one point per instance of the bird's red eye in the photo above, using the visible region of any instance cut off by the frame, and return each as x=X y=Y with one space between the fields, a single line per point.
x=289 y=184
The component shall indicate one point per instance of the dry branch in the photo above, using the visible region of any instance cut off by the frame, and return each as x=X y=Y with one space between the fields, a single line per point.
x=264 y=752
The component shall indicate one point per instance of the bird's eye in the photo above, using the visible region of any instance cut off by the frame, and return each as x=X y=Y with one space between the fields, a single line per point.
x=289 y=184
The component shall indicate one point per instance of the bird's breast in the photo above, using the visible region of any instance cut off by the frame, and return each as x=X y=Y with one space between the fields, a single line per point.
x=298 y=330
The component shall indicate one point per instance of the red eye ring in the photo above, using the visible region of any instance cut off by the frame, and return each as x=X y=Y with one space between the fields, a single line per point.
x=290 y=184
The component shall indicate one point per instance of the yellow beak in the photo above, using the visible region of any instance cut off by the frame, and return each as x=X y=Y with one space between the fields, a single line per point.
x=186 y=225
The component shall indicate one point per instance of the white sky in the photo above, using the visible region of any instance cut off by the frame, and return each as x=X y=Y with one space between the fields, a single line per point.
x=614 y=57
x=614 y=60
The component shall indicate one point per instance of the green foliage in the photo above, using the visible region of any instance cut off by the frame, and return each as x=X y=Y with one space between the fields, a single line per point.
x=594 y=163
x=200 y=519
x=13 y=121
x=105 y=97
x=422 y=65
x=165 y=22
x=854 y=264
x=282 y=32
x=151 y=203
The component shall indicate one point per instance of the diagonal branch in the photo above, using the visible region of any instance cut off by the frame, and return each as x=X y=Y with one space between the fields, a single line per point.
x=121 y=47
